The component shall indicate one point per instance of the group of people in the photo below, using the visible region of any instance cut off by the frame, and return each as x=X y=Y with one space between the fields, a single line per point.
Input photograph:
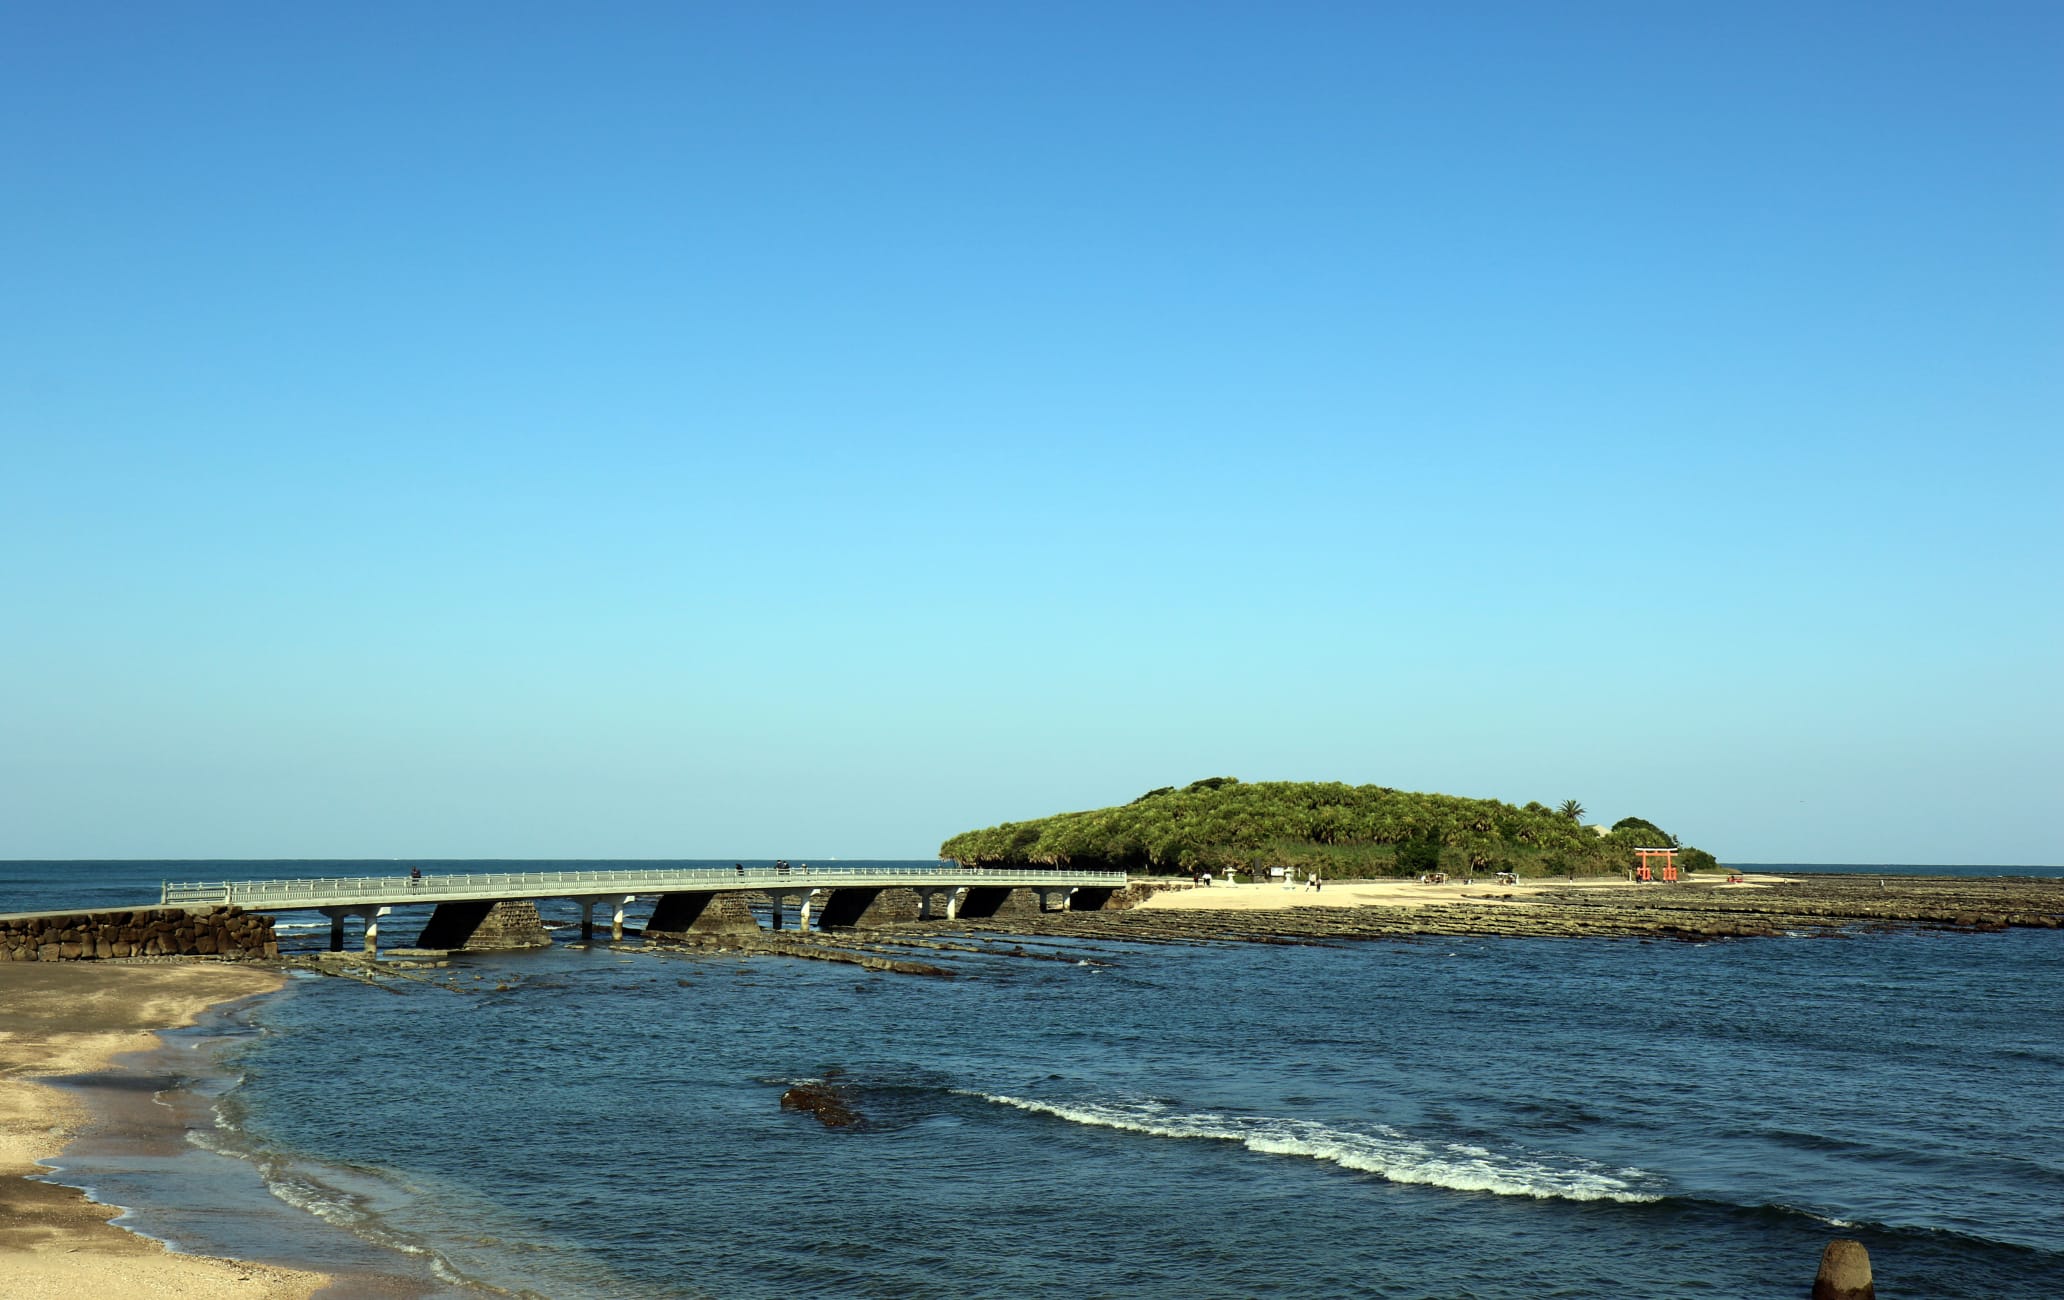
x=1311 y=878
x=781 y=867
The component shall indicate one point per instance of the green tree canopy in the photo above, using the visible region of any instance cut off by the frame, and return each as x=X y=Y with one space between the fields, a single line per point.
x=1337 y=829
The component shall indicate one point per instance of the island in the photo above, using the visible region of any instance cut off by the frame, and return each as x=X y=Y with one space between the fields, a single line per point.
x=1221 y=860
x=1223 y=824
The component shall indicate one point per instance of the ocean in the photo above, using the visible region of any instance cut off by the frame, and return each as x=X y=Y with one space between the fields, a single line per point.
x=1498 y=1118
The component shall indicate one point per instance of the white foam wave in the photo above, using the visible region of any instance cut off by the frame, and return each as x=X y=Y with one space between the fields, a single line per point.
x=339 y=1209
x=1386 y=1153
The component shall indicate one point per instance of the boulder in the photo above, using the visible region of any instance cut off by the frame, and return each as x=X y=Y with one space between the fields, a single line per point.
x=1845 y=1272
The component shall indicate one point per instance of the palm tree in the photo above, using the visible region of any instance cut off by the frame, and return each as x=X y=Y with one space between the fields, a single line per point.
x=1571 y=810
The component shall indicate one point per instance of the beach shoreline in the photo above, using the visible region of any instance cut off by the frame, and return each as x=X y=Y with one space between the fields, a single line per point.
x=1702 y=907
x=61 y=1019
x=1348 y=891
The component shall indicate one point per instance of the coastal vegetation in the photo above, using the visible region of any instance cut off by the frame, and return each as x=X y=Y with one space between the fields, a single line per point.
x=1335 y=829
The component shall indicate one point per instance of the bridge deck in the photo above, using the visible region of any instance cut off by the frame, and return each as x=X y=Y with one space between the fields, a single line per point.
x=387 y=891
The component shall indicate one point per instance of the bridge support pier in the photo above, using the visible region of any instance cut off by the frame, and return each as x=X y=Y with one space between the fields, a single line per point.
x=1090 y=898
x=854 y=907
x=691 y=912
x=778 y=908
x=588 y=903
x=485 y=923
x=983 y=902
x=940 y=903
x=370 y=915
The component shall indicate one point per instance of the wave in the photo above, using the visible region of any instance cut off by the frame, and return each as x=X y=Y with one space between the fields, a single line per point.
x=357 y=1199
x=1387 y=1153
x=1961 y=1242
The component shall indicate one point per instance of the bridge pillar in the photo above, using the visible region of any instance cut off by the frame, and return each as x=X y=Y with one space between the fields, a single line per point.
x=854 y=906
x=809 y=900
x=985 y=901
x=775 y=902
x=1090 y=898
x=941 y=902
x=370 y=915
x=678 y=915
x=484 y=923
x=588 y=903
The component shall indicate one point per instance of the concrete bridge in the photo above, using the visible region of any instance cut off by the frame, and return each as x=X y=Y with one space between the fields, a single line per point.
x=686 y=901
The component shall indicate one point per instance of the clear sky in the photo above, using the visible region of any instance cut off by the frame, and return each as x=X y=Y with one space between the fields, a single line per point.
x=697 y=430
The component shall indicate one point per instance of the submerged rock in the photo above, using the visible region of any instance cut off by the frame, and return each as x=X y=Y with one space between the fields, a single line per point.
x=824 y=1099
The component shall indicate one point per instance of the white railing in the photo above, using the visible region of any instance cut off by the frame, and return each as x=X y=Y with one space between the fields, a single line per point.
x=338 y=891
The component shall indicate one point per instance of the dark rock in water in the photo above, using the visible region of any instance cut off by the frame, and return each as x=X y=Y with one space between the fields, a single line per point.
x=826 y=1100
x=904 y=967
x=1845 y=1272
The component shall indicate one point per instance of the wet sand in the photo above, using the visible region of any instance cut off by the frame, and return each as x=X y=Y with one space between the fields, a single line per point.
x=66 y=1018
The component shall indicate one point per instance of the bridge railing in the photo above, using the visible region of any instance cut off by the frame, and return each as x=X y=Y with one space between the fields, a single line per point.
x=260 y=894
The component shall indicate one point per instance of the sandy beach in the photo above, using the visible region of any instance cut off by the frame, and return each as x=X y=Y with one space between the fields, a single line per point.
x=60 y=1018
x=1246 y=896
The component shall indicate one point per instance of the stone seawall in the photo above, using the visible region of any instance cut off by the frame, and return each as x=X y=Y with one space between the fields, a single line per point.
x=144 y=932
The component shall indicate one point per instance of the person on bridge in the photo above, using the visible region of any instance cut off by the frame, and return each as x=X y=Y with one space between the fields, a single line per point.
x=415 y=875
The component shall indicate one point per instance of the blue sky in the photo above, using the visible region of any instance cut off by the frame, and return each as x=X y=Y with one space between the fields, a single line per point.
x=708 y=430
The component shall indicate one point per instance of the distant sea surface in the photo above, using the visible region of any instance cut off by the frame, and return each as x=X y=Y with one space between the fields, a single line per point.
x=1896 y=869
x=1501 y=1119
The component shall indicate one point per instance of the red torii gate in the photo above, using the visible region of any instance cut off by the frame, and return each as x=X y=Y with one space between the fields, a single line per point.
x=1669 y=857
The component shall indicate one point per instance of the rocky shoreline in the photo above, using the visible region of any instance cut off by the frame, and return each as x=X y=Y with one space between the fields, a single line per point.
x=1815 y=905
x=1701 y=910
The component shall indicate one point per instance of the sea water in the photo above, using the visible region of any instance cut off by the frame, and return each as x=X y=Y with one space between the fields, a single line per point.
x=1432 y=1118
